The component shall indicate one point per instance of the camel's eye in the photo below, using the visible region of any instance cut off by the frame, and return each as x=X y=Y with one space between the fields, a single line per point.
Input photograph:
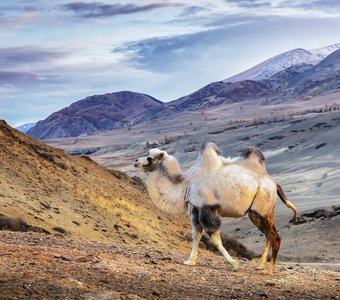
x=150 y=159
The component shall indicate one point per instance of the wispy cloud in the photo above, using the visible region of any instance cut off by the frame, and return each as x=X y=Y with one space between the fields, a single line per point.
x=17 y=78
x=29 y=65
x=19 y=56
x=251 y=3
x=171 y=53
x=193 y=10
x=326 y=5
x=22 y=79
x=99 y=9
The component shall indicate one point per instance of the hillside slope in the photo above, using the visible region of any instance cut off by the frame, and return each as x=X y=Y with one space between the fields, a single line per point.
x=50 y=189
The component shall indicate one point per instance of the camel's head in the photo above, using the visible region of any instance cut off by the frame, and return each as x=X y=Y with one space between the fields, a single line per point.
x=150 y=162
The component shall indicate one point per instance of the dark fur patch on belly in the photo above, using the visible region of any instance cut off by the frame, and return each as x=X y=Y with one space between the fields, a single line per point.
x=209 y=218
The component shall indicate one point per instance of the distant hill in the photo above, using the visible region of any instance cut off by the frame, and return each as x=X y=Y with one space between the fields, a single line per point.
x=55 y=192
x=25 y=127
x=94 y=113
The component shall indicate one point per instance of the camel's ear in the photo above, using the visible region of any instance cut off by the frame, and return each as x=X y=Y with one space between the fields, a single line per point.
x=161 y=155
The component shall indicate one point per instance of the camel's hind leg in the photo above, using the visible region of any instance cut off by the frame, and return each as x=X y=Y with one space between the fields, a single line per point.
x=209 y=219
x=261 y=223
x=197 y=232
x=267 y=226
x=276 y=242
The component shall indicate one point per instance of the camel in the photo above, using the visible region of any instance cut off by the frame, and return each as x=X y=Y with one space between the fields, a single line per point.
x=217 y=187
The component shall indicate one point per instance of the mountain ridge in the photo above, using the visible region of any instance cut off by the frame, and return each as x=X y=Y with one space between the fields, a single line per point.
x=109 y=111
x=283 y=61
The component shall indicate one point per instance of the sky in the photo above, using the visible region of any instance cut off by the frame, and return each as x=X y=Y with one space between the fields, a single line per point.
x=53 y=53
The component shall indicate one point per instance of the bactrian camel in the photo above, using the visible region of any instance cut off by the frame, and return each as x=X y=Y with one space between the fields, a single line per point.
x=217 y=187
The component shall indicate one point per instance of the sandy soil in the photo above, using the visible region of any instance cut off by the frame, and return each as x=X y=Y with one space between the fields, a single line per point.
x=38 y=266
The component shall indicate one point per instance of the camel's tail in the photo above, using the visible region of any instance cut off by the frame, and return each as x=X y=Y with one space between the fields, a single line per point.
x=287 y=202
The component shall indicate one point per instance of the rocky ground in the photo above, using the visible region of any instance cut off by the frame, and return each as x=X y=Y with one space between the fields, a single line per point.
x=40 y=266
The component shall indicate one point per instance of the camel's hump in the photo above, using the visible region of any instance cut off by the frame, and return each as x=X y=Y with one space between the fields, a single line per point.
x=247 y=151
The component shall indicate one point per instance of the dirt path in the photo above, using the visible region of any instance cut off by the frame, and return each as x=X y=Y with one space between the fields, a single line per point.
x=38 y=266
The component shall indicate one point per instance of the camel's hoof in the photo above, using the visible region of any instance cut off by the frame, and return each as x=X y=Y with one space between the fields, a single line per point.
x=260 y=267
x=189 y=263
x=235 y=264
x=270 y=272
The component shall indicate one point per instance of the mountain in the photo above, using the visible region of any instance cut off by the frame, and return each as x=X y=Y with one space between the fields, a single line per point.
x=325 y=51
x=221 y=92
x=295 y=75
x=319 y=79
x=53 y=192
x=283 y=61
x=290 y=84
x=25 y=127
x=94 y=113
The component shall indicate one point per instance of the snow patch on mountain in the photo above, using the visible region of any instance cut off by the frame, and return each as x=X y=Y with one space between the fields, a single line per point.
x=325 y=51
x=283 y=61
x=25 y=127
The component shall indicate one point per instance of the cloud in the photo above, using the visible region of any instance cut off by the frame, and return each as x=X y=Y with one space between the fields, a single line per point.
x=171 y=53
x=22 y=79
x=193 y=10
x=99 y=9
x=328 y=5
x=250 y=3
x=18 y=78
x=18 y=56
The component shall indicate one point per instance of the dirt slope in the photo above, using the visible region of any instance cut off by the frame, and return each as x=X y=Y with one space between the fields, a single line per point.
x=49 y=189
x=38 y=266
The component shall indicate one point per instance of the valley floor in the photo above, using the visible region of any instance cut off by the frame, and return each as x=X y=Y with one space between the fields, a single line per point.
x=39 y=266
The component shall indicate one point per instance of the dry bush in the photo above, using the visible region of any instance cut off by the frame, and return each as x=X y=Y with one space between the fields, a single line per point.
x=17 y=224
x=135 y=181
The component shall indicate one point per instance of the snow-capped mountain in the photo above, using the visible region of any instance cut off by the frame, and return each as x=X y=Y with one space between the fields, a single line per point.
x=325 y=51
x=25 y=127
x=283 y=61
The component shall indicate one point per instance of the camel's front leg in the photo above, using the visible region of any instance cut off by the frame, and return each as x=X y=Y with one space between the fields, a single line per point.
x=217 y=242
x=196 y=237
x=197 y=232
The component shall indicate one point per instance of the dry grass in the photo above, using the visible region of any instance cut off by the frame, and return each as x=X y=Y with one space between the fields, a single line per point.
x=59 y=193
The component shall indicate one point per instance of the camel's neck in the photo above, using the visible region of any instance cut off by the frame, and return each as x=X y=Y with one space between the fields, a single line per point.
x=167 y=194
